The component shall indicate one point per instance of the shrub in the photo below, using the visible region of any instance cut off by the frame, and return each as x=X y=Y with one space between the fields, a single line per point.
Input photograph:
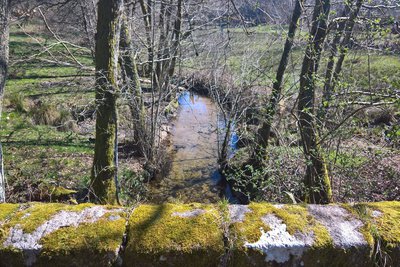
x=19 y=102
x=133 y=186
x=45 y=113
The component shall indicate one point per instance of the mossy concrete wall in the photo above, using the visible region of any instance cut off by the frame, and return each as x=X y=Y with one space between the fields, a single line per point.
x=259 y=234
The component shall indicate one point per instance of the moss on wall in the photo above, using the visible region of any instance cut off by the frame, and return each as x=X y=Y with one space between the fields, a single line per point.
x=174 y=235
x=90 y=244
x=6 y=211
x=31 y=215
x=295 y=217
x=91 y=241
x=388 y=222
x=196 y=235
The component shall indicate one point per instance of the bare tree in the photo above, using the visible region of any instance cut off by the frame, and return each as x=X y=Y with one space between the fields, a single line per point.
x=265 y=130
x=89 y=14
x=317 y=181
x=339 y=44
x=133 y=89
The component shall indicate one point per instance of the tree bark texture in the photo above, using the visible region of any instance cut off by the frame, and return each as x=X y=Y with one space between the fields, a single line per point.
x=4 y=41
x=132 y=81
x=265 y=130
x=339 y=44
x=176 y=38
x=345 y=42
x=89 y=13
x=146 y=8
x=107 y=51
x=317 y=182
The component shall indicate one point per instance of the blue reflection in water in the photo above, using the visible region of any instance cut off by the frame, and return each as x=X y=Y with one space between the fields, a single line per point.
x=190 y=101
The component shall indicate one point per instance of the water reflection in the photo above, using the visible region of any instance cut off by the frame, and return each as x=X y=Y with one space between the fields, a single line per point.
x=194 y=144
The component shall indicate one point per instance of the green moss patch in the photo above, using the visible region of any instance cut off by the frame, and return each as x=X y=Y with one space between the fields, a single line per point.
x=36 y=214
x=174 y=235
x=89 y=244
x=6 y=210
x=62 y=235
x=295 y=217
x=387 y=224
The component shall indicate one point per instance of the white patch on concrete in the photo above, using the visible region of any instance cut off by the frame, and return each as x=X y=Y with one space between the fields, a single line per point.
x=113 y=218
x=29 y=242
x=376 y=213
x=237 y=213
x=189 y=214
x=277 y=244
x=342 y=226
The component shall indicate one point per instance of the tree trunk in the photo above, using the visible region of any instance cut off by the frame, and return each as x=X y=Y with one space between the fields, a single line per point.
x=317 y=182
x=333 y=72
x=132 y=81
x=176 y=38
x=345 y=42
x=4 y=37
x=146 y=11
x=265 y=130
x=161 y=44
x=326 y=94
x=89 y=13
x=107 y=41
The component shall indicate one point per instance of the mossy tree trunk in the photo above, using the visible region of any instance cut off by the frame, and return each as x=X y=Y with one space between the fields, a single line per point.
x=317 y=182
x=265 y=130
x=4 y=38
x=103 y=186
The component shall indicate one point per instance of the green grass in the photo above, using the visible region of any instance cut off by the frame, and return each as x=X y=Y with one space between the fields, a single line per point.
x=36 y=154
x=346 y=160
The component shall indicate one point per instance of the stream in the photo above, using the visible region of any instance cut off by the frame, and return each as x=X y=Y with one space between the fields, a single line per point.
x=194 y=175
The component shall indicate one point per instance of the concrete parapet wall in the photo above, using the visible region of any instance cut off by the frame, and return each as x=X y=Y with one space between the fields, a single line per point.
x=259 y=234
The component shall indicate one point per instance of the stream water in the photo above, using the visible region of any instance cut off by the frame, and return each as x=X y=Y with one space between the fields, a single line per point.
x=194 y=175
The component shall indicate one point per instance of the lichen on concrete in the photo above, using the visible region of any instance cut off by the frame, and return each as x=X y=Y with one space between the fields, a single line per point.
x=265 y=228
x=33 y=242
x=31 y=215
x=277 y=244
x=237 y=213
x=189 y=213
x=343 y=227
x=30 y=241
